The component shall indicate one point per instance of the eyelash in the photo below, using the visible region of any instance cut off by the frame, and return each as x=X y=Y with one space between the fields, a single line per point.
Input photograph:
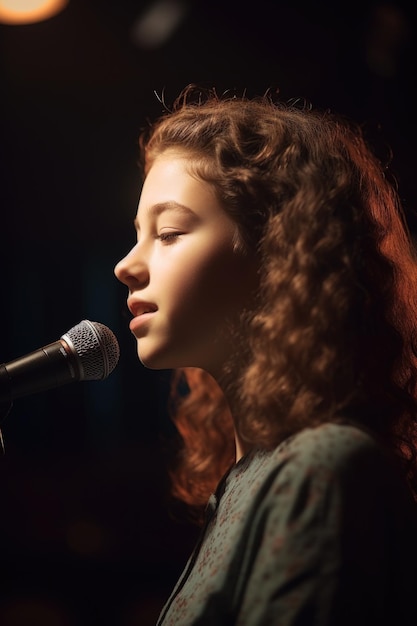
x=168 y=237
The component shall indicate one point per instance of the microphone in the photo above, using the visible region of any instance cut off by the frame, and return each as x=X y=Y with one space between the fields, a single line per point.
x=88 y=351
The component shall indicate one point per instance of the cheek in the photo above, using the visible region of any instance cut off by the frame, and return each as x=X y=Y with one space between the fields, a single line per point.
x=211 y=286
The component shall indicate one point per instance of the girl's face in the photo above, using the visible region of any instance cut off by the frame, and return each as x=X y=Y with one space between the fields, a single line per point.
x=188 y=279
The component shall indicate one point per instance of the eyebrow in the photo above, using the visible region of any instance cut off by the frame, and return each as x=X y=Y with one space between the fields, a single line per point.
x=157 y=209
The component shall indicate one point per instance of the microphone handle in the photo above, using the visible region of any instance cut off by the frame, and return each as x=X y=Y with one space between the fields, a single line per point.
x=45 y=368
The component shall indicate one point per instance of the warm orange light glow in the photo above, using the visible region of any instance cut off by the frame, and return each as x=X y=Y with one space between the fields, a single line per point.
x=28 y=11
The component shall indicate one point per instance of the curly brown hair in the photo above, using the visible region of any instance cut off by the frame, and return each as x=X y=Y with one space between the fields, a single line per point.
x=333 y=333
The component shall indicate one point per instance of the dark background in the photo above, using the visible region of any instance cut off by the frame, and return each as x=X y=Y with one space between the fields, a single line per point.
x=86 y=533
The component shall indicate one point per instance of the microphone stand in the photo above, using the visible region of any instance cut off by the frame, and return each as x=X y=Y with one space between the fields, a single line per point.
x=5 y=406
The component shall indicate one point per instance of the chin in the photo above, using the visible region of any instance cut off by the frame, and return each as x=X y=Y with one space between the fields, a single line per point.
x=162 y=361
x=168 y=355
x=153 y=361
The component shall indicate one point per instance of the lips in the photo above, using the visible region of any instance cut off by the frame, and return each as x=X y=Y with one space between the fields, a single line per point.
x=139 y=307
x=142 y=314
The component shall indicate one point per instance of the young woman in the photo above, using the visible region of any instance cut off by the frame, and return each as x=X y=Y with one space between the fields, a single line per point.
x=273 y=271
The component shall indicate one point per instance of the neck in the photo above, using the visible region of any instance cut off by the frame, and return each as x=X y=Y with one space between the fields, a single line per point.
x=227 y=384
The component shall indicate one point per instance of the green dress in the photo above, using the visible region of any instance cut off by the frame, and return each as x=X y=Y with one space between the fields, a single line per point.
x=321 y=531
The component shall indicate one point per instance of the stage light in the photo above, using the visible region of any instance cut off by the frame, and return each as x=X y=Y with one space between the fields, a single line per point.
x=152 y=29
x=29 y=11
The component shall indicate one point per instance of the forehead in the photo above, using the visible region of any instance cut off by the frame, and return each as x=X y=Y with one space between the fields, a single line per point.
x=170 y=182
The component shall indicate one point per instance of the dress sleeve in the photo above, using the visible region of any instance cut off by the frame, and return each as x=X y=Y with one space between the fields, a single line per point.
x=329 y=541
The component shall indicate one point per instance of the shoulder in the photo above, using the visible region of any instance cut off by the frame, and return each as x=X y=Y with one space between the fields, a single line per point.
x=331 y=437
x=333 y=447
x=332 y=531
x=337 y=467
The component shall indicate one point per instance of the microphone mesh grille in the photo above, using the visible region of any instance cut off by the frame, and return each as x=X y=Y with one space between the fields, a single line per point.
x=97 y=348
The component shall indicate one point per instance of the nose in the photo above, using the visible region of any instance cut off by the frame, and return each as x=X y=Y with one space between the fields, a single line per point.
x=132 y=270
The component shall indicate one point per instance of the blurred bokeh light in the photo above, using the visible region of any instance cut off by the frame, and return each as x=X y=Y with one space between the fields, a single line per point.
x=29 y=11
